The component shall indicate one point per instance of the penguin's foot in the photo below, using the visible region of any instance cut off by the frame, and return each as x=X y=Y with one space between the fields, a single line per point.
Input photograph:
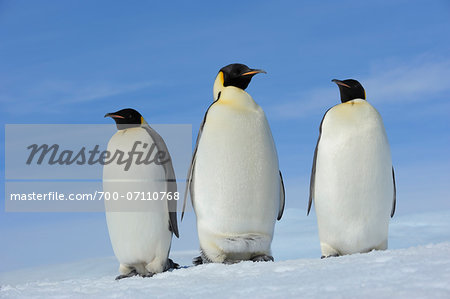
x=197 y=260
x=202 y=259
x=262 y=258
x=382 y=246
x=149 y=274
x=171 y=265
x=328 y=250
x=131 y=274
x=328 y=256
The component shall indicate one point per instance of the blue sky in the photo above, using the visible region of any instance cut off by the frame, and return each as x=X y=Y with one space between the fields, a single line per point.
x=71 y=62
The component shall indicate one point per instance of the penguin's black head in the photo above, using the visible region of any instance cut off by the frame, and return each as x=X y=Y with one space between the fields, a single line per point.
x=238 y=75
x=235 y=74
x=126 y=118
x=350 y=89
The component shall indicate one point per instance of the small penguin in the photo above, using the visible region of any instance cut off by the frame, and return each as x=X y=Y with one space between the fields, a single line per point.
x=235 y=184
x=352 y=179
x=140 y=239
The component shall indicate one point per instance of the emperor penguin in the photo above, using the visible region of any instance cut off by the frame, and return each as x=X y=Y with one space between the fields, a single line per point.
x=352 y=179
x=234 y=180
x=140 y=238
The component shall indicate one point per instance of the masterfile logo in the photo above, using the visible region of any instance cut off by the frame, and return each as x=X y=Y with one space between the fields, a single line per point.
x=59 y=168
x=141 y=153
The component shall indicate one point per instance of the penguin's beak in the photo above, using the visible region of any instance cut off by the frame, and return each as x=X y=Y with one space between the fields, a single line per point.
x=113 y=115
x=254 y=72
x=339 y=82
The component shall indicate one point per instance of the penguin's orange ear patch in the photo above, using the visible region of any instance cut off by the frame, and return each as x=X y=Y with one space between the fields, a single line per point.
x=218 y=85
x=142 y=120
x=220 y=77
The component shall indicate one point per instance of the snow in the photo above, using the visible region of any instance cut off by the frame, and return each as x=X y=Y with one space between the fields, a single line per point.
x=417 y=265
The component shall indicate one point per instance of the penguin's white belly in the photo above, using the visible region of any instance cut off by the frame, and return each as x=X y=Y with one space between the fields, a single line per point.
x=353 y=186
x=236 y=180
x=140 y=236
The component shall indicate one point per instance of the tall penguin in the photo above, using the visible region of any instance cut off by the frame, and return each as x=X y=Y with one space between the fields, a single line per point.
x=352 y=179
x=140 y=239
x=234 y=180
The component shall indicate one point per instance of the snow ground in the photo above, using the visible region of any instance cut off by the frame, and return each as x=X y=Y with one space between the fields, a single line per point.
x=417 y=265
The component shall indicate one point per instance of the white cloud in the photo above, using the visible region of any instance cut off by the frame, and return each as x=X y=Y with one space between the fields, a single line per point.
x=409 y=82
x=422 y=81
x=94 y=92
x=54 y=93
x=69 y=91
x=304 y=104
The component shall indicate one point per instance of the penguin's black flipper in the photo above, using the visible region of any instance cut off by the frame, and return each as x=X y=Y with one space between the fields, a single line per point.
x=312 y=182
x=190 y=175
x=282 y=197
x=394 y=202
x=170 y=178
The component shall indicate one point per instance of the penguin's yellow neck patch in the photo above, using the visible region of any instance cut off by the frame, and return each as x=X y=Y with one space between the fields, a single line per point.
x=236 y=98
x=355 y=102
